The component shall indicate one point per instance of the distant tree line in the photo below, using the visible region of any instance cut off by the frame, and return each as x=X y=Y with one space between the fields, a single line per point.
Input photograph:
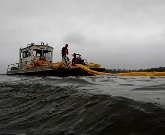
x=158 y=69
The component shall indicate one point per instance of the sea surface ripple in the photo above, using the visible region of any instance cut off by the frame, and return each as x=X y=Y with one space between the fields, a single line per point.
x=97 y=105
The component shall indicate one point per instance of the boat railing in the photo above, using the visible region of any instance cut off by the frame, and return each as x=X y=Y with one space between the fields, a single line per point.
x=13 y=67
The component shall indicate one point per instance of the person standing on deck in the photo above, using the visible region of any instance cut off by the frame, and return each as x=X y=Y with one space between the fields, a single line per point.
x=65 y=52
x=74 y=60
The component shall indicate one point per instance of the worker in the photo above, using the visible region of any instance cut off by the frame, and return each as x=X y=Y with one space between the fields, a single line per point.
x=64 y=53
x=74 y=60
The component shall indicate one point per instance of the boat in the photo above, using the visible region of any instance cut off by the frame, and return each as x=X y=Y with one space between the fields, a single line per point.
x=37 y=59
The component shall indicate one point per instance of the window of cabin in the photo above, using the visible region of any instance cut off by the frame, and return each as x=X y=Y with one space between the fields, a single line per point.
x=47 y=54
x=25 y=54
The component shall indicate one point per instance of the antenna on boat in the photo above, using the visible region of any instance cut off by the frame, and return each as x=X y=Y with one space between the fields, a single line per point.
x=42 y=43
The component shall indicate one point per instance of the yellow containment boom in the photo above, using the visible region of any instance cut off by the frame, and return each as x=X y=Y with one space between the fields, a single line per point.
x=141 y=74
x=92 y=72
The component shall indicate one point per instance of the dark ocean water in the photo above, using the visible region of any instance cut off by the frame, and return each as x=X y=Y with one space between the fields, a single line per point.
x=100 y=105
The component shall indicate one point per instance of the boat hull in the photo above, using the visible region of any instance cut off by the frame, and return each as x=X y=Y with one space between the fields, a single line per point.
x=61 y=72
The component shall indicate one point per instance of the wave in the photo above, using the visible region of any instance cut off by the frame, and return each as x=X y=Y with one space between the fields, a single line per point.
x=39 y=108
x=159 y=87
x=69 y=80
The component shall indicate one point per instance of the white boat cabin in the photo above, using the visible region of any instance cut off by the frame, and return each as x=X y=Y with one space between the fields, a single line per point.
x=33 y=52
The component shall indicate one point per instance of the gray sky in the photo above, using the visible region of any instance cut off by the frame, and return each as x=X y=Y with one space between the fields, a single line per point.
x=114 y=33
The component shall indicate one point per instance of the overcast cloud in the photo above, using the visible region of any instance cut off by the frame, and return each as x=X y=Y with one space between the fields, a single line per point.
x=114 y=33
